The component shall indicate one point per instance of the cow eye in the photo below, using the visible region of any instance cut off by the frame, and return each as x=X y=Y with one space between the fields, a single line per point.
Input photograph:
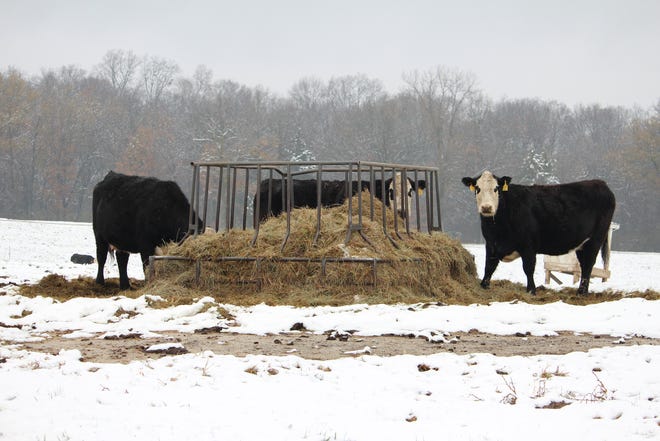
x=495 y=189
x=391 y=192
x=477 y=190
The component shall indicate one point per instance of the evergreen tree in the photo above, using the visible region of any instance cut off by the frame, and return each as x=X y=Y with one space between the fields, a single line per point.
x=538 y=168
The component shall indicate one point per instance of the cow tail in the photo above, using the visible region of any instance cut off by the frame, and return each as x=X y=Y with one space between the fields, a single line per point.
x=605 y=252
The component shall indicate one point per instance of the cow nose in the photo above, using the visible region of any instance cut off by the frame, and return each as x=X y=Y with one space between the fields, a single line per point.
x=486 y=209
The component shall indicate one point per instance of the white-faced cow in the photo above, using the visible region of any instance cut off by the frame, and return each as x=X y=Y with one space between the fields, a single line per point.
x=134 y=214
x=522 y=221
x=272 y=193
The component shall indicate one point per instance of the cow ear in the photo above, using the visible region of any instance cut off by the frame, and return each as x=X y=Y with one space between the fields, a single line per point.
x=503 y=182
x=468 y=182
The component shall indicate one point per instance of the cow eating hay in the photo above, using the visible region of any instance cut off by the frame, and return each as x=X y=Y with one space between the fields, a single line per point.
x=136 y=214
x=269 y=200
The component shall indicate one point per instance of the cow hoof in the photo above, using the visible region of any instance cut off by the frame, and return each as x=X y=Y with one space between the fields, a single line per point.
x=583 y=289
x=485 y=285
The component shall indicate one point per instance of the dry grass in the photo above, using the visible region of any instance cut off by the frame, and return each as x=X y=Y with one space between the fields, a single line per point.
x=443 y=272
x=57 y=287
x=421 y=267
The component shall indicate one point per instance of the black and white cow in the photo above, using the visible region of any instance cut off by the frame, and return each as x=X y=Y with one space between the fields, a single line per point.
x=333 y=193
x=523 y=221
x=135 y=214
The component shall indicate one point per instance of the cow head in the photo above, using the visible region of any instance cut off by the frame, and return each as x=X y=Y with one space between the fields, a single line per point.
x=394 y=193
x=487 y=188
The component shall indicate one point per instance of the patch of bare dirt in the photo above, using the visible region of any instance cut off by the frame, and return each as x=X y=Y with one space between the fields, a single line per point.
x=324 y=346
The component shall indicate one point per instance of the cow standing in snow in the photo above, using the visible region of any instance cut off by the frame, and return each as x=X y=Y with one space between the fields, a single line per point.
x=134 y=214
x=523 y=221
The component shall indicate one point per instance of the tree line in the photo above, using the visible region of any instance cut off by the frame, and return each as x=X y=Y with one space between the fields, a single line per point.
x=62 y=131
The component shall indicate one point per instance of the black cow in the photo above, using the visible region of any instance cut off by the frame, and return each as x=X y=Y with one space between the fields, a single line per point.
x=523 y=221
x=333 y=193
x=134 y=214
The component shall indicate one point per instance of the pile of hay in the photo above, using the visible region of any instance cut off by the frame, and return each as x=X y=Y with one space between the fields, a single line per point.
x=426 y=266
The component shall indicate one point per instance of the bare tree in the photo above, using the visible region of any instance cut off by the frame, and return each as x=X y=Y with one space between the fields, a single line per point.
x=599 y=131
x=353 y=91
x=203 y=81
x=308 y=94
x=157 y=75
x=119 y=68
x=442 y=95
x=18 y=145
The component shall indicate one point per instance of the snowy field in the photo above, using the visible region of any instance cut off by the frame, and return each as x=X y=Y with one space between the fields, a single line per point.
x=611 y=393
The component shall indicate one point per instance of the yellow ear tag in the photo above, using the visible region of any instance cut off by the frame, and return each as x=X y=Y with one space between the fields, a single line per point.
x=472 y=188
x=505 y=187
x=420 y=191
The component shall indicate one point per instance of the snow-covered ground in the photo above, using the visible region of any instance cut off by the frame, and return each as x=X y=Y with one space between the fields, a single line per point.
x=612 y=393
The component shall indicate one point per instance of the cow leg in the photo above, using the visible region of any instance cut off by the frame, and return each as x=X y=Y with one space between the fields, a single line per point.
x=491 y=265
x=145 y=262
x=529 y=264
x=101 y=257
x=587 y=258
x=589 y=252
x=122 y=263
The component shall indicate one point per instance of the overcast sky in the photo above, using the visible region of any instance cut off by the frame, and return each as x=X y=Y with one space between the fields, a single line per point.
x=572 y=51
